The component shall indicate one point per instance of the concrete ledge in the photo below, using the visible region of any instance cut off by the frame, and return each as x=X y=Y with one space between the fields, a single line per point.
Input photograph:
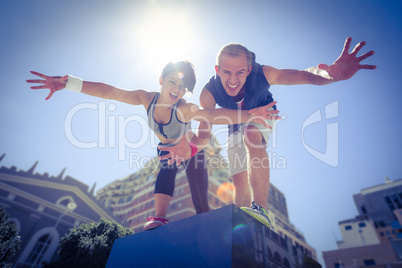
x=226 y=237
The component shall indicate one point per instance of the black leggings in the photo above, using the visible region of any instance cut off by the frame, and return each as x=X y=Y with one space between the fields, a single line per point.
x=197 y=176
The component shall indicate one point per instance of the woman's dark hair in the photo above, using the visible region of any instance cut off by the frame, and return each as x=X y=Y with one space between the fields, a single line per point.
x=187 y=70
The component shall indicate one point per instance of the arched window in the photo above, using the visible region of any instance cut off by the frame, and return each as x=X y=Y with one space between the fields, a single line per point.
x=36 y=255
x=277 y=257
x=41 y=247
x=269 y=252
x=286 y=263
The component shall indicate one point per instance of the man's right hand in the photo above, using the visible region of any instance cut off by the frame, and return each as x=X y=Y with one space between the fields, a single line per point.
x=54 y=83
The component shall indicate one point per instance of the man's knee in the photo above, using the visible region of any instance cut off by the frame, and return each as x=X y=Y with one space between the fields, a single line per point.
x=253 y=138
x=240 y=180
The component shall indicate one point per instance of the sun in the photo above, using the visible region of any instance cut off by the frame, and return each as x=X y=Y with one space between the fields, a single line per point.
x=165 y=35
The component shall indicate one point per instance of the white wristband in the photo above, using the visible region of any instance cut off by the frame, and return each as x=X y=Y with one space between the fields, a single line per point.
x=74 y=83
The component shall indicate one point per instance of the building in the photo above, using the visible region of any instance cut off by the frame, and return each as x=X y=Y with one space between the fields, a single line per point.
x=131 y=198
x=373 y=238
x=278 y=213
x=44 y=208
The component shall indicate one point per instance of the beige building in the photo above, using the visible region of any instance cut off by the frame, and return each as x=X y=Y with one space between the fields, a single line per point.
x=374 y=238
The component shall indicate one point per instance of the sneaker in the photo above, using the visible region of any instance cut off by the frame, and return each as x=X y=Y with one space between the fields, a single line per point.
x=154 y=222
x=259 y=213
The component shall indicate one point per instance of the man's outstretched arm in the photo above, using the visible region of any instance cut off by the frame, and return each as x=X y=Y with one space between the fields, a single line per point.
x=343 y=68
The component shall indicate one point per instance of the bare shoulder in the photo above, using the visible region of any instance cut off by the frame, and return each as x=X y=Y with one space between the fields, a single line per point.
x=146 y=98
x=207 y=100
x=270 y=73
x=185 y=105
x=185 y=110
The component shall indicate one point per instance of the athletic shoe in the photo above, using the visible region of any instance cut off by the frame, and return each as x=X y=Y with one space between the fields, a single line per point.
x=154 y=222
x=259 y=213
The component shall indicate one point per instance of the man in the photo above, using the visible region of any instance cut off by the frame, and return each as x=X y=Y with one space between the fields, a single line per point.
x=241 y=83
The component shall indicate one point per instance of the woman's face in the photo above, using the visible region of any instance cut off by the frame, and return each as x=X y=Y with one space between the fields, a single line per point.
x=172 y=89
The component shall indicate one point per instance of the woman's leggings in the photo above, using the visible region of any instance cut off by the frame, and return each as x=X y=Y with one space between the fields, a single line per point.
x=197 y=176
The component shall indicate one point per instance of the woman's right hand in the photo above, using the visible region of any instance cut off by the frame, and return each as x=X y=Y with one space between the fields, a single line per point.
x=54 y=83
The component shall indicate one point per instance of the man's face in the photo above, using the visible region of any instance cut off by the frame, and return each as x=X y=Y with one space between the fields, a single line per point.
x=233 y=72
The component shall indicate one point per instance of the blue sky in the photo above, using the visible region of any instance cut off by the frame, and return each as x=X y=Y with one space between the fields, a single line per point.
x=126 y=44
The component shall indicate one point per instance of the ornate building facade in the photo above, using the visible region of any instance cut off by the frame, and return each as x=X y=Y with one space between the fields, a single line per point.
x=44 y=208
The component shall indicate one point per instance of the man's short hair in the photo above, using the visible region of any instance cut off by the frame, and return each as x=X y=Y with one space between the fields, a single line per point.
x=184 y=67
x=235 y=50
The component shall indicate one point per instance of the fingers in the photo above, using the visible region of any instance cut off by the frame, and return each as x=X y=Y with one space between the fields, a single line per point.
x=50 y=95
x=263 y=109
x=368 y=67
x=36 y=81
x=346 y=46
x=264 y=113
x=272 y=112
x=166 y=156
x=274 y=117
x=323 y=66
x=39 y=87
x=270 y=104
x=39 y=74
x=164 y=148
x=365 y=56
x=267 y=117
x=358 y=47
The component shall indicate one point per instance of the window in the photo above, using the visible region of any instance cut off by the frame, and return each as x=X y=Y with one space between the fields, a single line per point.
x=286 y=263
x=363 y=209
x=40 y=247
x=369 y=262
x=362 y=224
x=277 y=257
x=39 y=250
x=348 y=227
x=381 y=224
x=389 y=203
x=396 y=200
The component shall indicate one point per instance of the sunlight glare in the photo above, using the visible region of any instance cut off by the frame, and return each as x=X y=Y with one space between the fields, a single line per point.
x=165 y=35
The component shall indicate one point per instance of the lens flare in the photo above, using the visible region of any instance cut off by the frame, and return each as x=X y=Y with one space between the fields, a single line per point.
x=239 y=227
x=225 y=192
